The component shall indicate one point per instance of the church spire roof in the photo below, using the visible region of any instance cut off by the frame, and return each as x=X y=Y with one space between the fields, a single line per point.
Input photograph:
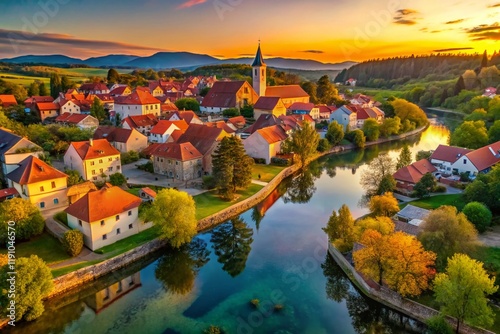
x=259 y=60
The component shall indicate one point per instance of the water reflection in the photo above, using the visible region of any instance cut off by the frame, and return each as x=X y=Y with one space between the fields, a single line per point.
x=366 y=315
x=177 y=269
x=110 y=294
x=232 y=244
x=301 y=188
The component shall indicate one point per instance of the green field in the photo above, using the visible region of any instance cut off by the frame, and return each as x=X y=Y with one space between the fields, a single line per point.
x=431 y=203
x=21 y=79
x=266 y=172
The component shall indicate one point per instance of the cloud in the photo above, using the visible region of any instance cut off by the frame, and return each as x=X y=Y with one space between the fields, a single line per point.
x=453 y=49
x=494 y=5
x=15 y=43
x=434 y=31
x=190 y=3
x=455 y=21
x=406 y=16
x=313 y=51
x=424 y=29
x=484 y=32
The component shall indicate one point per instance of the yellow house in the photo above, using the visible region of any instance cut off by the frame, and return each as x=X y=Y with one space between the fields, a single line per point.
x=93 y=159
x=13 y=150
x=106 y=216
x=41 y=184
x=269 y=105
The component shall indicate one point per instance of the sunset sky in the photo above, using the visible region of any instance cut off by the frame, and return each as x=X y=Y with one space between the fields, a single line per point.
x=324 y=30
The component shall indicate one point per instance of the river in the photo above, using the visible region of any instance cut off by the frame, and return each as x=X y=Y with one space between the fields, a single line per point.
x=275 y=253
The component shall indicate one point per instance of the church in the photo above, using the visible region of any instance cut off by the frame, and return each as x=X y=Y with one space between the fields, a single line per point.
x=265 y=99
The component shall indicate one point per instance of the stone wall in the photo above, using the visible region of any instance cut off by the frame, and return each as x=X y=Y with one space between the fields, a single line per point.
x=392 y=299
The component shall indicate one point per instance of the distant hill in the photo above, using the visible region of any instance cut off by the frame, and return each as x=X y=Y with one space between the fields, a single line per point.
x=179 y=60
x=115 y=60
x=44 y=59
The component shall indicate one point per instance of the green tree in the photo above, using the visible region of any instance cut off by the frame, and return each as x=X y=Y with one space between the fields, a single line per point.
x=174 y=213
x=311 y=89
x=357 y=137
x=326 y=92
x=404 y=158
x=117 y=179
x=494 y=132
x=232 y=167
x=55 y=85
x=28 y=220
x=34 y=89
x=232 y=244
x=372 y=176
x=187 y=104
x=304 y=142
x=462 y=291
x=230 y=112
x=97 y=109
x=42 y=90
x=73 y=177
x=409 y=111
x=479 y=215
x=425 y=186
x=323 y=145
x=470 y=134
x=387 y=184
x=371 y=129
x=66 y=84
x=33 y=283
x=335 y=133
x=390 y=127
x=73 y=242
x=383 y=225
x=484 y=60
x=446 y=232
x=113 y=76
x=340 y=229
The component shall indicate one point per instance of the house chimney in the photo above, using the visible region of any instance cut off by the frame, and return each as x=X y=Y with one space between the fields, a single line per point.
x=91 y=142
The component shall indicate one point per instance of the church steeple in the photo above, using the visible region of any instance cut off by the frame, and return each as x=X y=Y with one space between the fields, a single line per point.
x=259 y=73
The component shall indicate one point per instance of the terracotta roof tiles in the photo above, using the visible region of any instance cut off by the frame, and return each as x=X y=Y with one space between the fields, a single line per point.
x=32 y=170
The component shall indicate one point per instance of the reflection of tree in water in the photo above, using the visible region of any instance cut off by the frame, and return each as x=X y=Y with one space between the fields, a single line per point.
x=367 y=316
x=301 y=188
x=232 y=244
x=257 y=217
x=177 y=269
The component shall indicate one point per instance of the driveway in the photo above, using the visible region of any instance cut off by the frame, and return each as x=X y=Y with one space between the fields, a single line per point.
x=491 y=238
x=135 y=175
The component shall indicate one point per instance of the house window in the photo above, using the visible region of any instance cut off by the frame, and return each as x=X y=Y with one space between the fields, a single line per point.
x=104 y=237
x=130 y=226
x=262 y=72
x=92 y=163
x=246 y=90
x=130 y=213
x=101 y=170
x=41 y=188
x=110 y=159
x=118 y=231
x=110 y=169
x=93 y=172
x=161 y=160
x=80 y=222
x=42 y=205
x=119 y=287
x=158 y=159
x=255 y=72
x=465 y=161
x=94 y=178
x=117 y=167
x=102 y=223
x=53 y=184
x=117 y=158
x=117 y=217
x=56 y=201
x=100 y=161
x=177 y=163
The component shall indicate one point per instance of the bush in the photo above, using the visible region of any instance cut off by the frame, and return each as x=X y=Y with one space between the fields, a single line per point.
x=209 y=182
x=117 y=179
x=438 y=325
x=261 y=161
x=323 y=145
x=247 y=111
x=479 y=215
x=281 y=161
x=231 y=112
x=27 y=217
x=440 y=189
x=148 y=167
x=62 y=217
x=73 y=242
x=129 y=157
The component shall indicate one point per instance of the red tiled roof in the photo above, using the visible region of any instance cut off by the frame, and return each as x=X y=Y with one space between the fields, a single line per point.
x=90 y=207
x=201 y=136
x=285 y=92
x=223 y=94
x=414 y=172
x=238 y=121
x=8 y=100
x=448 y=153
x=162 y=127
x=119 y=90
x=181 y=124
x=47 y=106
x=32 y=170
x=141 y=120
x=8 y=192
x=220 y=125
x=148 y=191
x=485 y=157
x=182 y=152
x=142 y=89
x=168 y=106
x=114 y=134
x=99 y=148
x=302 y=106
x=138 y=97
x=71 y=118
x=267 y=102
x=263 y=121
x=188 y=115
x=93 y=86
x=35 y=99
x=273 y=134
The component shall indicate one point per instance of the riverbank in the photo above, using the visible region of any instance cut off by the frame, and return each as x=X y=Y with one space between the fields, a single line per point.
x=447 y=111
x=85 y=275
x=392 y=299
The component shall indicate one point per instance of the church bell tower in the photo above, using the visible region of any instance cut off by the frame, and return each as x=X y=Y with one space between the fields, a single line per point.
x=259 y=73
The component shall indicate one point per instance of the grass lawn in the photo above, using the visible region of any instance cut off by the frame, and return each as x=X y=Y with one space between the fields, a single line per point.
x=45 y=246
x=431 y=203
x=134 y=191
x=129 y=243
x=62 y=217
x=209 y=203
x=65 y=270
x=266 y=172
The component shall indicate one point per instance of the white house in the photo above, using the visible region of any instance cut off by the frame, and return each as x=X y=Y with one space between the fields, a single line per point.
x=478 y=161
x=137 y=103
x=345 y=117
x=162 y=131
x=93 y=159
x=265 y=143
x=106 y=216
x=445 y=156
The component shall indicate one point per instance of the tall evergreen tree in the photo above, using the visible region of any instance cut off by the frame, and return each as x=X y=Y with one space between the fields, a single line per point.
x=55 y=85
x=484 y=61
x=66 y=83
x=33 y=89
x=459 y=86
x=404 y=158
x=113 y=76
x=42 y=90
